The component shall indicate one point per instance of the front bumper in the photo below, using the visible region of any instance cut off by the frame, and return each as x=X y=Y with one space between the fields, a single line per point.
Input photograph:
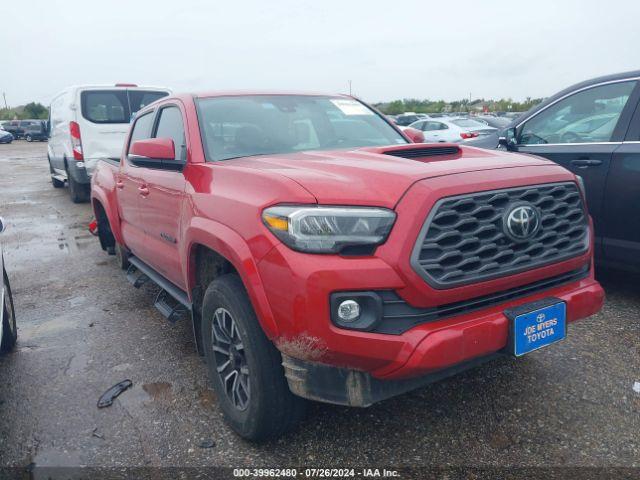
x=302 y=312
x=298 y=288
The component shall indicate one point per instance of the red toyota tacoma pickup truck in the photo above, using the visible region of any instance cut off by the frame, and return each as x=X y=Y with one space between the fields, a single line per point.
x=323 y=255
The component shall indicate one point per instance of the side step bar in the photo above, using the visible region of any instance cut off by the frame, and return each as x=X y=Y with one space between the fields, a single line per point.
x=171 y=301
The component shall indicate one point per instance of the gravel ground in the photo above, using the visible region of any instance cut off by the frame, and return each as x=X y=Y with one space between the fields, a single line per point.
x=83 y=328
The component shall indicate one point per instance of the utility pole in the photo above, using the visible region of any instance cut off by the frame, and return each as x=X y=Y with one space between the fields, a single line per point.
x=4 y=95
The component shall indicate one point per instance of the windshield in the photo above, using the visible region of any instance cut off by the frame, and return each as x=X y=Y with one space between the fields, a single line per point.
x=241 y=126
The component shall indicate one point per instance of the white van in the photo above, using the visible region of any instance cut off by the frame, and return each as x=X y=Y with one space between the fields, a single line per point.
x=87 y=123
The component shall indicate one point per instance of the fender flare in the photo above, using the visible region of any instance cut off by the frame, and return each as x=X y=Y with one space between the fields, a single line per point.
x=99 y=195
x=230 y=245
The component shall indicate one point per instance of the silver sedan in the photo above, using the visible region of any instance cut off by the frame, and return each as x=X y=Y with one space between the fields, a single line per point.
x=451 y=130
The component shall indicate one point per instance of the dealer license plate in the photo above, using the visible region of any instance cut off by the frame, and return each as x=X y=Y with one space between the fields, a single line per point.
x=538 y=328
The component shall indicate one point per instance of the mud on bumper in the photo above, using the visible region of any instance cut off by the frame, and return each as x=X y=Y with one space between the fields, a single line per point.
x=354 y=388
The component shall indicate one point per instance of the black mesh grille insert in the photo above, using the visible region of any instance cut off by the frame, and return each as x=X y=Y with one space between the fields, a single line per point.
x=424 y=152
x=398 y=316
x=464 y=241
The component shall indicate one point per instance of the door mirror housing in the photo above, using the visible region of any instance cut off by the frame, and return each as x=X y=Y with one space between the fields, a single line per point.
x=155 y=153
x=508 y=139
x=415 y=135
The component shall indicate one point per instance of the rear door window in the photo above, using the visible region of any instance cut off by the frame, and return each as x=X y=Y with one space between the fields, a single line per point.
x=141 y=128
x=170 y=125
x=115 y=106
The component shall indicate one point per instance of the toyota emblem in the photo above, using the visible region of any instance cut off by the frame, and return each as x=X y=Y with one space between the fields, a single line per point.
x=521 y=222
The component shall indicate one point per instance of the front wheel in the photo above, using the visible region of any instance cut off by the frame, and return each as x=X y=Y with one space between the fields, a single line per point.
x=245 y=368
x=28 y=138
x=9 y=328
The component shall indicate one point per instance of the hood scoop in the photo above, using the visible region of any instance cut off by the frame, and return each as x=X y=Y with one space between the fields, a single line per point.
x=419 y=152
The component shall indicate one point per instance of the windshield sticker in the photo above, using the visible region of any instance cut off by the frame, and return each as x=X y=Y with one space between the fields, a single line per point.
x=351 y=107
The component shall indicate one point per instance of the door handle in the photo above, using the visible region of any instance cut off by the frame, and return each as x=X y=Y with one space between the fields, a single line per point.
x=585 y=162
x=120 y=184
x=143 y=190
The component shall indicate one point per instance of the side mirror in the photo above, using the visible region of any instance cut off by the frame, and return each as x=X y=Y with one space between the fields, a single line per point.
x=416 y=136
x=2 y=225
x=155 y=153
x=508 y=139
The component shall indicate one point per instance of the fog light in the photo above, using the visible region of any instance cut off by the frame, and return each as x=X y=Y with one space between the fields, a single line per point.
x=348 y=311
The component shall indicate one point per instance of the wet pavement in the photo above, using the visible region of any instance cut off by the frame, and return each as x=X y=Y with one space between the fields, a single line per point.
x=83 y=328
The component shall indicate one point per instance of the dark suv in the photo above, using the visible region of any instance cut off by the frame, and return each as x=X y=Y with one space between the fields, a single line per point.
x=17 y=127
x=36 y=130
x=593 y=129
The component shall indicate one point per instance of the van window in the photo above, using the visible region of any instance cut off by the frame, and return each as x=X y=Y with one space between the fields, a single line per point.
x=105 y=106
x=115 y=106
x=141 y=98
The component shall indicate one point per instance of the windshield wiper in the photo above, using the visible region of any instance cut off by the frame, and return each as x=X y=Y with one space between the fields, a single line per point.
x=251 y=155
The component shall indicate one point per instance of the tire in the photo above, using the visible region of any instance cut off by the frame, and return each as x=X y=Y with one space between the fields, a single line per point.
x=261 y=406
x=79 y=192
x=122 y=256
x=9 y=328
x=28 y=138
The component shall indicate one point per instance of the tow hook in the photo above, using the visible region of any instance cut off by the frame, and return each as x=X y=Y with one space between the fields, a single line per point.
x=93 y=227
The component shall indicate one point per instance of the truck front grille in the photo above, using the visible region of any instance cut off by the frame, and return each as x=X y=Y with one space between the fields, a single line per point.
x=466 y=239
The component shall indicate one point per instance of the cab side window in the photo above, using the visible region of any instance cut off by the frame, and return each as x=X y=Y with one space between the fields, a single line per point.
x=589 y=116
x=141 y=129
x=170 y=125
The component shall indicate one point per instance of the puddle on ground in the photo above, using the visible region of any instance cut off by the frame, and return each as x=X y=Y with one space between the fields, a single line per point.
x=141 y=395
x=121 y=367
x=158 y=390
x=77 y=364
x=42 y=248
x=79 y=300
x=53 y=326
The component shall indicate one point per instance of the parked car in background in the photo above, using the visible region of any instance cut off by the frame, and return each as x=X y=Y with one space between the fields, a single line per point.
x=17 y=127
x=36 y=131
x=451 y=129
x=323 y=255
x=8 y=327
x=5 y=137
x=493 y=121
x=88 y=123
x=593 y=129
x=407 y=119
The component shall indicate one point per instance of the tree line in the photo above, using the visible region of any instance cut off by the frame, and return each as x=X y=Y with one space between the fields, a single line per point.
x=396 y=107
x=31 y=110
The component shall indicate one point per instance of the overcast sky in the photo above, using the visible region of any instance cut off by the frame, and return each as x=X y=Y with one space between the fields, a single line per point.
x=401 y=49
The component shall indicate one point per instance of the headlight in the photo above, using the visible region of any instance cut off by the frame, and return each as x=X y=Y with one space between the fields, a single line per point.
x=328 y=229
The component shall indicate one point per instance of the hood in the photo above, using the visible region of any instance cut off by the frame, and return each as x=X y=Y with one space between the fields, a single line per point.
x=379 y=176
